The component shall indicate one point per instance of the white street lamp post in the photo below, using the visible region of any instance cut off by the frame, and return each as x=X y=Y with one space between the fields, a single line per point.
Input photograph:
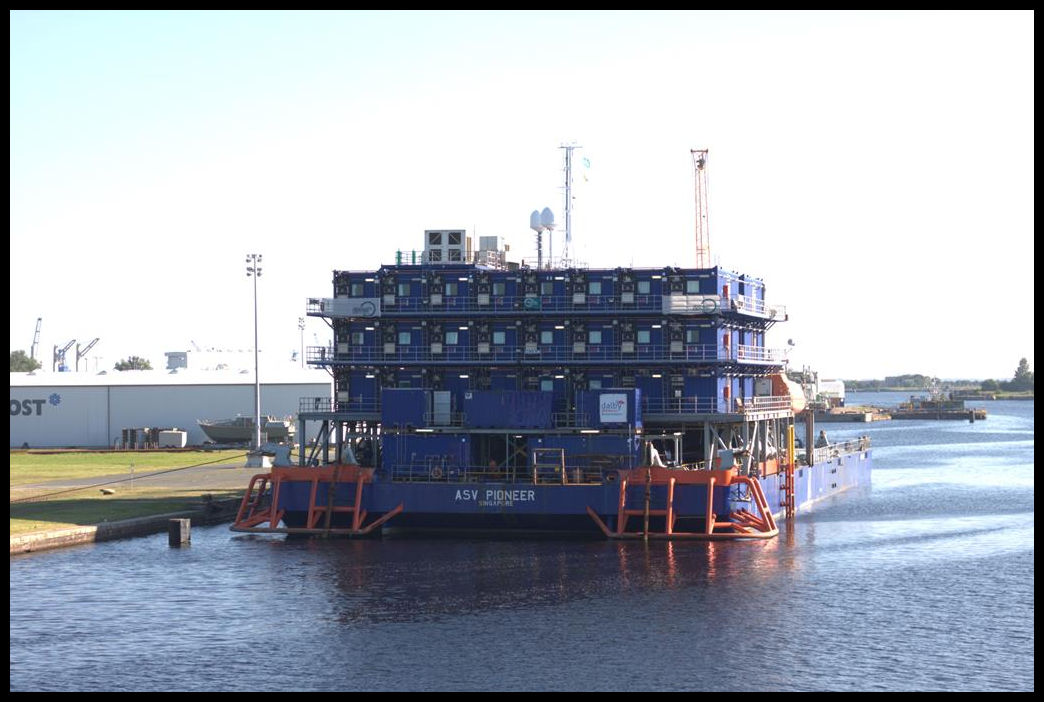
x=301 y=326
x=254 y=271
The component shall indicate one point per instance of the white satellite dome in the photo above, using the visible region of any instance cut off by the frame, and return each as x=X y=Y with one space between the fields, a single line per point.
x=547 y=218
x=534 y=221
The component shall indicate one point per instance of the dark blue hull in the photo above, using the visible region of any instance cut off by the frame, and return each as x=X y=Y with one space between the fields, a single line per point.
x=557 y=508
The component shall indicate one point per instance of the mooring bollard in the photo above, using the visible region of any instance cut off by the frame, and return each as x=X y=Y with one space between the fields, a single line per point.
x=179 y=532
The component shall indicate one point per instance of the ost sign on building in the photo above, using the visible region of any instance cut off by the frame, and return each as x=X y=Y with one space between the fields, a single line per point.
x=34 y=406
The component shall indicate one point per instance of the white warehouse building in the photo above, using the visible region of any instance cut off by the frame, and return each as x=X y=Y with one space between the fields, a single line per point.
x=91 y=411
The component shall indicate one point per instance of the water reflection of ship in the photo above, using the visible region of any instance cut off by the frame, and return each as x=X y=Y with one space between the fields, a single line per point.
x=508 y=573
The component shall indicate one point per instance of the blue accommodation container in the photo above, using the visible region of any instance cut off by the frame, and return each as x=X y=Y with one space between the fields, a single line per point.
x=405 y=407
x=507 y=409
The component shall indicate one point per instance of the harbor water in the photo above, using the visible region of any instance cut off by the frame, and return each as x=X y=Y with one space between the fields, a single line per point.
x=923 y=581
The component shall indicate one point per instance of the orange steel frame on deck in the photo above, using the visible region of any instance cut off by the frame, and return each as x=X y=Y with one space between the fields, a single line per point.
x=742 y=524
x=253 y=511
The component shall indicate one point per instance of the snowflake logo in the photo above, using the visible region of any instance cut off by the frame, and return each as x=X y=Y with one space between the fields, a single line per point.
x=55 y=399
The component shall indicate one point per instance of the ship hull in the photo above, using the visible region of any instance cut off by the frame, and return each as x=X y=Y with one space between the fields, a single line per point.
x=487 y=507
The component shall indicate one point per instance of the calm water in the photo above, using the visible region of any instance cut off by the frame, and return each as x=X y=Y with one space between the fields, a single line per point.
x=922 y=582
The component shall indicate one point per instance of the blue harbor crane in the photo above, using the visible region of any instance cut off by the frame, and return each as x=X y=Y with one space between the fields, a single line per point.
x=59 y=357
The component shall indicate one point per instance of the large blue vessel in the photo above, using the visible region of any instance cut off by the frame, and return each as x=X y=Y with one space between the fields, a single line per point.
x=474 y=393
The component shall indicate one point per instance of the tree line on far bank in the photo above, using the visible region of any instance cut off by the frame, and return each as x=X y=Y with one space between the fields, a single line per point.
x=1022 y=381
x=21 y=362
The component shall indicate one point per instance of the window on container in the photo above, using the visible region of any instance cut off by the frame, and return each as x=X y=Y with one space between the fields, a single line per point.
x=547 y=385
x=547 y=337
x=435 y=255
x=435 y=238
x=453 y=238
x=451 y=337
x=454 y=254
x=358 y=339
x=498 y=288
x=499 y=337
x=692 y=336
x=594 y=384
x=404 y=289
x=692 y=286
x=404 y=338
x=451 y=288
x=357 y=289
x=644 y=336
x=643 y=287
x=547 y=288
x=594 y=287
x=594 y=336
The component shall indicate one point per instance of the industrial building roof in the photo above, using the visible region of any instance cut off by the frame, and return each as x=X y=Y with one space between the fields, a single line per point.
x=181 y=376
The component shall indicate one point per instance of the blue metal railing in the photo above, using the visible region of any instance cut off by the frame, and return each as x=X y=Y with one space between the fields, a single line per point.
x=825 y=453
x=578 y=419
x=438 y=470
x=315 y=404
x=475 y=304
x=556 y=353
x=714 y=405
x=501 y=304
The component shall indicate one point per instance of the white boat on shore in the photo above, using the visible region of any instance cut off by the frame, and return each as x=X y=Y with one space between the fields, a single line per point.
x=240 y=429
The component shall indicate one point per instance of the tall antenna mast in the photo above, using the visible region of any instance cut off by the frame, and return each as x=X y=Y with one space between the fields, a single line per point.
x=568 y=198
x=699 y=161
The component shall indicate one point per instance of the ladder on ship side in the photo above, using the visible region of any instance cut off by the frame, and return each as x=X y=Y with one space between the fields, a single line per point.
x=786 y=488
x=647 y=510
x=786 y=485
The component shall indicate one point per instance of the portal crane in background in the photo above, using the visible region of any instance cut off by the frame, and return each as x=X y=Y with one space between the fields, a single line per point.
x=36 y=339
x=81 y=354
x=59 y=357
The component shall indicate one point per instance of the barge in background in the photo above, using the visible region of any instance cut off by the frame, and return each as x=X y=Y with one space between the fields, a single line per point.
x=473 y=393
x=936 y=406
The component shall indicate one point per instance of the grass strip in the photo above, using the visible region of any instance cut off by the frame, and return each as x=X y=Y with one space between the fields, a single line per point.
x=86 y=506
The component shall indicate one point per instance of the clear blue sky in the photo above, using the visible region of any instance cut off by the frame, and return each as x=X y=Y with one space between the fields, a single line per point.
x=874 y=168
